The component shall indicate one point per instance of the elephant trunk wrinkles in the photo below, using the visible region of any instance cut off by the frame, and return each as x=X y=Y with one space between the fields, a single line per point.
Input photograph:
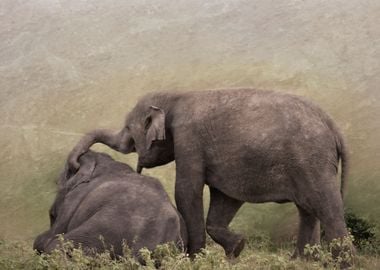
x=119 y=141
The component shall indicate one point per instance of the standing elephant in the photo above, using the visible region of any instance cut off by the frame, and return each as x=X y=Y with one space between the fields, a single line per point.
x=247 y=145
x=107 y=198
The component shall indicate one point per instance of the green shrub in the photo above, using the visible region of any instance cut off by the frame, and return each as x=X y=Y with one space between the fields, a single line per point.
x=364 y=233
x=338 y=253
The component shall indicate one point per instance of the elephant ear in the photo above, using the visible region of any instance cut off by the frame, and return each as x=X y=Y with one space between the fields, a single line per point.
x=84 y=174
x=154 y=126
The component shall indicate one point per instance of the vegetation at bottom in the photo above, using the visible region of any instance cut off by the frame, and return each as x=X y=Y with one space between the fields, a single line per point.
x=259 y=253
x=19 y=255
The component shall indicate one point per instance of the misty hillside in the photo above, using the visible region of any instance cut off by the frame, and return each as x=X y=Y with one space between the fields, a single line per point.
x=67 y=67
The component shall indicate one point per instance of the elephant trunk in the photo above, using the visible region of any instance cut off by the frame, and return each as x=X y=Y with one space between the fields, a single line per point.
x=120 y=141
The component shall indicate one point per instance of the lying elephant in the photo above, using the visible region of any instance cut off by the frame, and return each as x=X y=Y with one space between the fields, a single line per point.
x=107 y=198
x=247 y=146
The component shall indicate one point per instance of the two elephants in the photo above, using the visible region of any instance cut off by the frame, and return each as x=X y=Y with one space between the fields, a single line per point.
x=247 y=146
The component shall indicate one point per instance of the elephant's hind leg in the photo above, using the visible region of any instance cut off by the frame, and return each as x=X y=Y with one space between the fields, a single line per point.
x=221 y=212
x=327 y=206
x=332 y=218
x=308 y=231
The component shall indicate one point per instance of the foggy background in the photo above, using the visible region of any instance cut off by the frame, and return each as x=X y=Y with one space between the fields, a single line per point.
x=67 y=67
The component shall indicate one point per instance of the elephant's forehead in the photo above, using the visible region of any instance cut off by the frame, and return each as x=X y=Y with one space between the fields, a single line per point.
x=134 y=118
x=135 y=126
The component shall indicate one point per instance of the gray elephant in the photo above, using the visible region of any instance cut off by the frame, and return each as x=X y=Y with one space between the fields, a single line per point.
x=107 y=198
x=247 y=145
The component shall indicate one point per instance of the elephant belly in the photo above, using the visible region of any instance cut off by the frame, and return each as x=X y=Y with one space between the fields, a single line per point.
x=255 y=172
x=268 y=186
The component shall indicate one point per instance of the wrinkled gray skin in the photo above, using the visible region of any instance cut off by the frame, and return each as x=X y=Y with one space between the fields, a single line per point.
x=247 y=146
x=108 y=198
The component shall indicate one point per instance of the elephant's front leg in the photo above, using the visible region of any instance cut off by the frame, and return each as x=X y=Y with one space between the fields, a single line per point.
x=189 y=200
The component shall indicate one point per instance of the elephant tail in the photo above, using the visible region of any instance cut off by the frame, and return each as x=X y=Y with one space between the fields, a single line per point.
x=344 y=159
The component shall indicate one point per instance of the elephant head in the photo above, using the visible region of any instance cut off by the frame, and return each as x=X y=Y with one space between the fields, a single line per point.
x=68 y=182
x=59 y=218
x=145 y=131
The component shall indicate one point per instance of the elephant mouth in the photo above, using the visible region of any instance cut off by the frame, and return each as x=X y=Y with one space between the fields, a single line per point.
x=143 y=163
x=154 y=159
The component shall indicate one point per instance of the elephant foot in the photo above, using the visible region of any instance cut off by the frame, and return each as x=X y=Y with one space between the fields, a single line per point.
x=236 y=249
